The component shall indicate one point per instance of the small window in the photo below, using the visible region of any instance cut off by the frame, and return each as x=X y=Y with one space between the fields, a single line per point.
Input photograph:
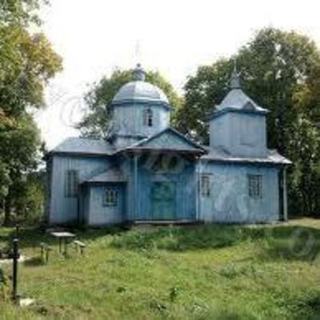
x=148 y=117
x=71 y=183
x=110 y=197
x=255 y=186
x=205 y=185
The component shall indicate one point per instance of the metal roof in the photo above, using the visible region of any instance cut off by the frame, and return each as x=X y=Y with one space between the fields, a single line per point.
x=220 y=155
x=84 y=146
x=155 y=142
x=112 y=175
x=140 y=91
x=237 y=99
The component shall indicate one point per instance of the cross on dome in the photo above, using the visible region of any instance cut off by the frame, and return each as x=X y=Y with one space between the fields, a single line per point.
x=235 y=77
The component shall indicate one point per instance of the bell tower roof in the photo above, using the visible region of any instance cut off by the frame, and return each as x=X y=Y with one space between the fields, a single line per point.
x=236 y=99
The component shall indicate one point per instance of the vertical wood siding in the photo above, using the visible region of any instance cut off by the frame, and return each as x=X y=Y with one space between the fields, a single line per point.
x=62 y=209
x=185 y=192
x=99 y=214
x=229 y=200
x=240 y=134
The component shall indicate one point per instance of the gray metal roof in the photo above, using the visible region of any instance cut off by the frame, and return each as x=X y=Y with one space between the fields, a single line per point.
x=219 y=155
x=84 y=146
x=112 y=175
x=140 y=91
x=167 y=139
x=237 y=99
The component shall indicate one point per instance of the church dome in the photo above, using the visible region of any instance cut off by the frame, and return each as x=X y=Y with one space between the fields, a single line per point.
x=140 y=91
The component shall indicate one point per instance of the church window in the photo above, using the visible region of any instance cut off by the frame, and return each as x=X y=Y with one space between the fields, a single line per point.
x=148 y=117
x=110 y=197
x=205 y=185
x=71 y=183
x=255 y=186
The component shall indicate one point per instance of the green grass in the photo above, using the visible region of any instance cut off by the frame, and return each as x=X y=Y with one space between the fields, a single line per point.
x=198 y=272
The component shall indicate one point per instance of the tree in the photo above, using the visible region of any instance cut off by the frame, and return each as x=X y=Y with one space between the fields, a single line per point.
x=280 y=71
x=27 y=62
x=100 y=96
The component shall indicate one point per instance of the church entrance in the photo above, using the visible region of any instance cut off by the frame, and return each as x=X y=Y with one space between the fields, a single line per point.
x=163 y=200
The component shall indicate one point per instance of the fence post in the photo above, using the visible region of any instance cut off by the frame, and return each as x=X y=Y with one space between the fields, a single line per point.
x=15 y=258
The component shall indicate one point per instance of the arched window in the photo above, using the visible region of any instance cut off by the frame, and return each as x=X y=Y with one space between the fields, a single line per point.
x=148 y=117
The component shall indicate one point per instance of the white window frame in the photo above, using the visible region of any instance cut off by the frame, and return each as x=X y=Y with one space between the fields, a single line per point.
x=255 y=182
x=110 y=197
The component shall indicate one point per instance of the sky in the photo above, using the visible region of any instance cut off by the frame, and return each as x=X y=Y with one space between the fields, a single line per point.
x=173 y=37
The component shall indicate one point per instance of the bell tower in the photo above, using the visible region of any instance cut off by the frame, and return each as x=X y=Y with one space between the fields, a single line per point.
x=238 y=126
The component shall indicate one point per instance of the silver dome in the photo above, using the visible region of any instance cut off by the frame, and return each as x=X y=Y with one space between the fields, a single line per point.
x=140 y=91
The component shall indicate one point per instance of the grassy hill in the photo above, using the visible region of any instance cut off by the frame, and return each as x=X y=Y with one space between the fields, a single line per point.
x=194 y=272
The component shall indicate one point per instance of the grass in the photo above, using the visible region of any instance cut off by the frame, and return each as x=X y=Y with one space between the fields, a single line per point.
x=191 y=272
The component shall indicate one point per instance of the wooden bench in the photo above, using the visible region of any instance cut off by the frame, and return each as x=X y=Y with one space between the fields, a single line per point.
x=45 y=249
x=79 y=245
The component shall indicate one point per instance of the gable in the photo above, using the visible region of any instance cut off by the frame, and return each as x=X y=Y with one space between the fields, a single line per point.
x=169 y=139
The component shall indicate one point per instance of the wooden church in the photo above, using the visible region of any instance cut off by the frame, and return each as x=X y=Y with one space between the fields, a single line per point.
x=147 y=172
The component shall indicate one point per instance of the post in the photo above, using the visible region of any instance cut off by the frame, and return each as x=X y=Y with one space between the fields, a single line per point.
x=136 y=200
x=15 y=258
x=284 y=195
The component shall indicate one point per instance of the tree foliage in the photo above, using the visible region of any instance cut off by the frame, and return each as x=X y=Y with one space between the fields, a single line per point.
x=281 y=72
x=100 y=96
x=27 y=62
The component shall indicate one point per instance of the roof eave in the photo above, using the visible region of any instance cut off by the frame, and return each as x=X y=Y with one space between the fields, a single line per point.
x=153 y=102
x=223 y=111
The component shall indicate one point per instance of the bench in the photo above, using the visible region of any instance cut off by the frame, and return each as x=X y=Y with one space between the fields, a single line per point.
x=45 y=249
x=79 y=245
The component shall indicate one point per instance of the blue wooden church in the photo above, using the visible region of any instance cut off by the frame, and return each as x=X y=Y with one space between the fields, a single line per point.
x=147 y=172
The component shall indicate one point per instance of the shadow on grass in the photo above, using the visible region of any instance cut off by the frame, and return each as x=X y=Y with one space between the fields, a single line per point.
x=34 y=262
x=272 y=242
x=32 y=237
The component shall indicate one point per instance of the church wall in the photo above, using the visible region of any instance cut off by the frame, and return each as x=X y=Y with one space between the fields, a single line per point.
x=63 y=209
x=128 y=120
x=140 y=201
x=229 y=200
x=98 y=213
x=241 y=134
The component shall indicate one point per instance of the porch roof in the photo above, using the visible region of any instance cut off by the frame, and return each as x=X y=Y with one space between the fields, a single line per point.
x=168 y=140
x=111 y=175
x=220 y=155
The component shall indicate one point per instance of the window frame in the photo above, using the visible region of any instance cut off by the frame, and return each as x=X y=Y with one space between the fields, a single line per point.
x=110 y=197
x=71 y=183
x=148 y=117
x=255 y=186
x=205 y=185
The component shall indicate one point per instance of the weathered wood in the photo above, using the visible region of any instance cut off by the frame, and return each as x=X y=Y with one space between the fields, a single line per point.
x=79 y=245
x=45 y=250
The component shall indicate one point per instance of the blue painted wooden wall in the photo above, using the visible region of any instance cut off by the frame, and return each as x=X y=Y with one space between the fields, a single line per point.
x=229 y=200
x=240 y=133
x=98 y=214
x=63 y=209
x=139 y=202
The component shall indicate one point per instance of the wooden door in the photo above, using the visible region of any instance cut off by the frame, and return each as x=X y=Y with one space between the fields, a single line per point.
x=163 y=200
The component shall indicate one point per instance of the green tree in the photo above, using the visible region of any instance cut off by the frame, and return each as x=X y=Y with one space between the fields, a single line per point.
x=280 y=71
x=27 y=62
x=100 y=96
